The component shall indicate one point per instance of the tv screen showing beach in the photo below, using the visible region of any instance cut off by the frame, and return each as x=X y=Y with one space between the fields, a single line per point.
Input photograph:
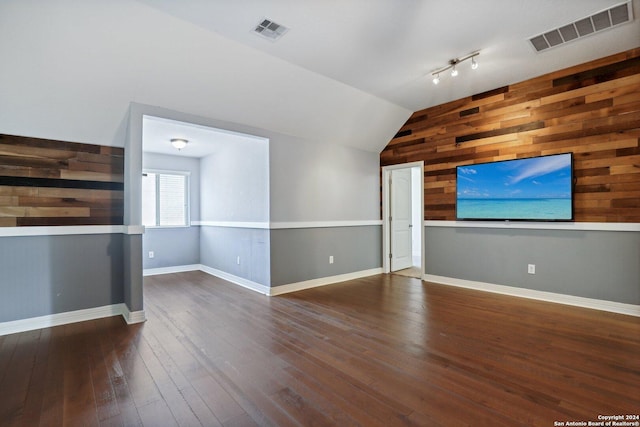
x=533 y=189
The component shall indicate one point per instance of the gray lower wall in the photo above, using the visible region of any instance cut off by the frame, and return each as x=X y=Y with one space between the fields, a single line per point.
x=132 y=253
x=278 y=256
x=602 y=265
x=44 y=275
x=300 y=254
x=171 y=247
x=221 y=246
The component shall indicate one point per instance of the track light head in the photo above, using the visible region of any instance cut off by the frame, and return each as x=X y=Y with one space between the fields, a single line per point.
x=453 y=66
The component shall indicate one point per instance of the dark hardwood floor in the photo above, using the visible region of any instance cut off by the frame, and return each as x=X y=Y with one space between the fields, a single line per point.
x=380 y=351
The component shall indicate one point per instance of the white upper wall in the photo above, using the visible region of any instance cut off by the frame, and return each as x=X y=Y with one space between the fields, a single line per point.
x=282 y=179
x=310 y=182
x=70 y=70
x=234 y=183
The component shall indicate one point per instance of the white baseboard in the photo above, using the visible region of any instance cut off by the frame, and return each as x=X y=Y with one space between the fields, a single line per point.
x=58 y=319
x=132 y=317
x=611 y=306
x=168 y=270
x=245 y=283
x=291 y=287
x=289 y=225
x=322 y=281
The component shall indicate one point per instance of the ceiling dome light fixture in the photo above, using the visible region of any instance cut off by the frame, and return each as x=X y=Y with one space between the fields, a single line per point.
x=179 y=143
x=452 y=66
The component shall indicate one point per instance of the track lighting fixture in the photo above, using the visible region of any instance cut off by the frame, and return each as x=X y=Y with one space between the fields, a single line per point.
x=452 y=66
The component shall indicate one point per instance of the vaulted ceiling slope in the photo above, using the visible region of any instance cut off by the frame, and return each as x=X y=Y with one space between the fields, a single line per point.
x=70 y=70
x=389 y=48
x=349 y=72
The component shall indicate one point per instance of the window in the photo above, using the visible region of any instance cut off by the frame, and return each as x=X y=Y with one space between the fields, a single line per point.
x=165 y=201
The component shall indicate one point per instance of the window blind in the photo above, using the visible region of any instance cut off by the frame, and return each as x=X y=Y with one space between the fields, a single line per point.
x=164 y=200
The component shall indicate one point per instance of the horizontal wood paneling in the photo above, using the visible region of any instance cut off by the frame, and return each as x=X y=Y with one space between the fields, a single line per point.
x=45 y=182
x=592 y=110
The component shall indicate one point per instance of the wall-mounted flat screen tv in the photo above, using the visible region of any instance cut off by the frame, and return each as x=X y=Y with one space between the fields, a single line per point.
x=530 y=189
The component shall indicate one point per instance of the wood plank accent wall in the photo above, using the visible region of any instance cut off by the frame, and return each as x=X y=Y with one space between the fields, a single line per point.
x=592 y=110
x=45 y=183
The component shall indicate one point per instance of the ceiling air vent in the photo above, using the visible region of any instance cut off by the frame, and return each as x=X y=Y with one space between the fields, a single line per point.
x=270 y=30
x=614 y=16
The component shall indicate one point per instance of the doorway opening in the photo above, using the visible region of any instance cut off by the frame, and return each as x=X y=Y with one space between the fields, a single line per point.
x=403 y=219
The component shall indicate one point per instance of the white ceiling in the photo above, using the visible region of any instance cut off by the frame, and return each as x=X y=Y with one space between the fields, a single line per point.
x=202 y=140
x=348 y=73
x=388 y=48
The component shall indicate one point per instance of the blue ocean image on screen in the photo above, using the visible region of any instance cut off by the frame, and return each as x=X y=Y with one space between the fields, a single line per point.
x=534 y=188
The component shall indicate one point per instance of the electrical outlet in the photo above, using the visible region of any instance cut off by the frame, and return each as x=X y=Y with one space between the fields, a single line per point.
x=238 y=260
x=331 y=259
x=531 y=269
x=151 y=254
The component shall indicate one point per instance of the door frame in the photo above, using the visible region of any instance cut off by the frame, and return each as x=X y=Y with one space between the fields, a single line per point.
x=386 y=208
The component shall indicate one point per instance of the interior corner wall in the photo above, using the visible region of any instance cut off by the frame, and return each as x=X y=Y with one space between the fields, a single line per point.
x=591 y=110
x=237 y=251
x=315 y=188
x=234 y=206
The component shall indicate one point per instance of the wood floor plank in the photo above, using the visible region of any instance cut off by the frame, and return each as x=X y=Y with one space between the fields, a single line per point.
x=7 y=347
x=219 y=357
x=173 y=359
x=51 y=413
x=170 y=393
x=141 y=386
x=379 y=351
x=104 y=394
x=206 y=395
x=111 y=331
x=157 y=413
x=35 y=393
x=15 y=383
x=79 y=403
x=312 y=375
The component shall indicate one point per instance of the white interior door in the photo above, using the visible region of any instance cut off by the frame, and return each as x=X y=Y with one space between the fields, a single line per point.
x=400 y=219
